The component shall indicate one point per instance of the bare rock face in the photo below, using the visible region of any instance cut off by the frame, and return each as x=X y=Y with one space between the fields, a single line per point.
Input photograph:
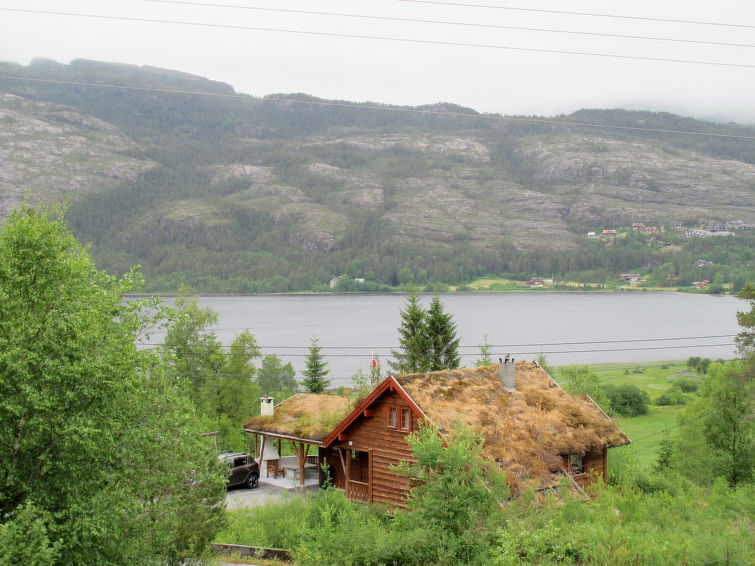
x=48 y=151
x=620 y=181
x=315 y=227
x=465 y=148
x=362 y=190
x=253 y=173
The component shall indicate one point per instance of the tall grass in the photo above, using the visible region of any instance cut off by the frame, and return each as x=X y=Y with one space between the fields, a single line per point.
x=656 y=520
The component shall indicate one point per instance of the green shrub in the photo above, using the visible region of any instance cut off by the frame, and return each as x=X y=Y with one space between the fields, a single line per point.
x=686 y=385
x=673 y=396
x=627 y=400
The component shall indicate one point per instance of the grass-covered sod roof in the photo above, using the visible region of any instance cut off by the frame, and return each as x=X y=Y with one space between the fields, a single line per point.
x=306 y=416
x=526 y=430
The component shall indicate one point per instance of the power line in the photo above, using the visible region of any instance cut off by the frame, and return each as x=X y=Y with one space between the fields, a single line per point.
x=591 y=14
x=385 y=38
x=670 y=428
x=448 y=23
x=530 y=345
x=365 y=353
x=383 y=108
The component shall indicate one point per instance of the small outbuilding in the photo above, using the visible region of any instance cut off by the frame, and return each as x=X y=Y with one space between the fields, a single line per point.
x=302 y=420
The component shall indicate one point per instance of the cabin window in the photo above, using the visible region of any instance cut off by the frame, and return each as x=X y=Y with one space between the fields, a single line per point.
x=576 y=464
x=392 y=417
x=406 y=422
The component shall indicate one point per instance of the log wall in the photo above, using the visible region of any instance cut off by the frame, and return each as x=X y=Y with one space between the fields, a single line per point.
x=388 y=447
x=595 y=468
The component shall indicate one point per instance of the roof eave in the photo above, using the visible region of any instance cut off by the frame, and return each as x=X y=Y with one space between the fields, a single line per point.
x=388 y=383
x=282 y=435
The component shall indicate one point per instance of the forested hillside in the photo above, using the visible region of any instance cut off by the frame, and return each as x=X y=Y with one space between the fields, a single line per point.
x=233 y=193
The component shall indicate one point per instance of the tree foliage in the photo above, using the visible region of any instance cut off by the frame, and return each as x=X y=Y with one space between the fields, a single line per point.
x=414 y=341
x=444 y=344
x=450 y=478
x=427 y=338
x=728 y=397
x=222 y=385
x=486 y=353
x=86 y=418
x=717 y=438
x=314 y=376
x=746 y=337
x=274 y=376
x=581 y=380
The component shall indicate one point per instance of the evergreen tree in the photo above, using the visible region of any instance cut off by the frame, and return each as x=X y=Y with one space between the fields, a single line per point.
x=413 y=339
x=316 y=371
x=486 y=352
x=444 y=344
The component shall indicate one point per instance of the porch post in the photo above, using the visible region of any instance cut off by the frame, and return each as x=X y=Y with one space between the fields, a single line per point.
x=262 y=450
x=301 y=456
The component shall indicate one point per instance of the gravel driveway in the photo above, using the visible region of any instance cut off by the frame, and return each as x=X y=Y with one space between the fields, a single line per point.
x=243 y=498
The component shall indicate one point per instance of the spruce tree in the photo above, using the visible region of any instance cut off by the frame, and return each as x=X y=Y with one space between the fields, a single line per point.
x=414 y=341
x=486 y=353
x=444 y=344
x=316 y=371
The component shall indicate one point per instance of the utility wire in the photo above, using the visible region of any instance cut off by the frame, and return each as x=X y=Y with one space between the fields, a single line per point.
x=448 y=23
x=531 y=345
x=383 y=108
x=384 y=38
x=697 y=418
x=520 y=352
x=567 y=13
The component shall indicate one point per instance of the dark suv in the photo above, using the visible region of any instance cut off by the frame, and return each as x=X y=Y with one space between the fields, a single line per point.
x=244 y=468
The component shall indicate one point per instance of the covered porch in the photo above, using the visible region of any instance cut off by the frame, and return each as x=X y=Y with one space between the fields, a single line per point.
x=351 y=471
x=302 y=469
x=303 y=420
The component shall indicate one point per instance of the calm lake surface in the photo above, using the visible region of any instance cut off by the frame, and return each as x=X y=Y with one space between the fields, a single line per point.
x=569 y=328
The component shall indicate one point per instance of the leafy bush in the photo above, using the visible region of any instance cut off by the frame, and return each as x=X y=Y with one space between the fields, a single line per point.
x=700 y=365
x=686 y=385
x=673 y=396
x=627 y=400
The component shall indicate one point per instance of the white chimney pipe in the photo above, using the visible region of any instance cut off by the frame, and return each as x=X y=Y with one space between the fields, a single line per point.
x=506 y=373
x=266 y=406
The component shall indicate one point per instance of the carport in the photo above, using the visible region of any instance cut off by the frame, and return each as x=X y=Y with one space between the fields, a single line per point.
x=304 y=420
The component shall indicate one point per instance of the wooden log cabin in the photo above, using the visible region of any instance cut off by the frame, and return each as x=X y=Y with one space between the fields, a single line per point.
x=531 y=427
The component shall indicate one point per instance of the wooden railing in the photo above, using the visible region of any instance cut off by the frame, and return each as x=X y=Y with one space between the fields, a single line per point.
x=358 y=491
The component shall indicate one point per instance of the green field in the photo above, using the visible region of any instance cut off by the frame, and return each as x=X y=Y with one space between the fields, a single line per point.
x=646 y=431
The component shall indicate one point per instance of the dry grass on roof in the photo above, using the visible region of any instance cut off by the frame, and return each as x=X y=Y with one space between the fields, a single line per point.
x=527 y=430
x=305 y=416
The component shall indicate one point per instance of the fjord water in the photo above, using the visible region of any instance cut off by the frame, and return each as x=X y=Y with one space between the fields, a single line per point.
x=579 y=328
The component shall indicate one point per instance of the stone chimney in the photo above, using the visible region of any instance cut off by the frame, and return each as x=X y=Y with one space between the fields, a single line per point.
x=506 y=373
x=266 y=406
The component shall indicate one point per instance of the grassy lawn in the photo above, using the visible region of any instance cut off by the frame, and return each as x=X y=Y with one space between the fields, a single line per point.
x=643 y=431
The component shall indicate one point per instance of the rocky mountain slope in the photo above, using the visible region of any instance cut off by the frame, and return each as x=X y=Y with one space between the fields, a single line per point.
x=246 y=189
x=51 y=152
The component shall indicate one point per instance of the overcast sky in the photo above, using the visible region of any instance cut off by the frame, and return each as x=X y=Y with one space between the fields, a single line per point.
x=485 y=65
